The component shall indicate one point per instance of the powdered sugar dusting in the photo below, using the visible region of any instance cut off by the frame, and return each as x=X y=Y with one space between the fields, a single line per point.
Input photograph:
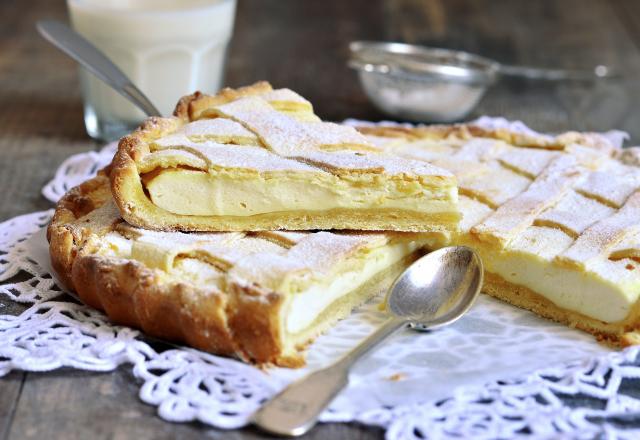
x=569 y=213
x=268 y=259
x=220 y=130
x=602 y=236
x=237 y=157
x=518 y=213
x=613 y=184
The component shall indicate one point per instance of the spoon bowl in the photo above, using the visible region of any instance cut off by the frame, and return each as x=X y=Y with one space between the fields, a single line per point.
x=438 y=288
x=435 y=290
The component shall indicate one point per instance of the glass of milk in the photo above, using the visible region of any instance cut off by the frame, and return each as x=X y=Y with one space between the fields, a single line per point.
x=168 y=48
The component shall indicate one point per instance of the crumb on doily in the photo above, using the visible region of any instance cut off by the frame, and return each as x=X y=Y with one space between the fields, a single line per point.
x=397 y=377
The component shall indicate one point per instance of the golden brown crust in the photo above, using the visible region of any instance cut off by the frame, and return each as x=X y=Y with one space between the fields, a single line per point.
x=134 y=295
x=197 y=105
x=129 y=292
x=65 y=240
x=367 y=220
x=254 y=318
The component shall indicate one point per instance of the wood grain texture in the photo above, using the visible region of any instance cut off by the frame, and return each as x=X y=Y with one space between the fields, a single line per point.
x=301 y=45
x=81 y=405
x=10 y=387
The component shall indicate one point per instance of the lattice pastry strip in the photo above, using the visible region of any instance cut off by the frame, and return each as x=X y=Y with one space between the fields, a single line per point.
x=492 y=184
x=219 y=130
x=612 y=186
x=518 y=213
x=528 y=162
x=569 y=214
x=597 y=240
x=627 y=248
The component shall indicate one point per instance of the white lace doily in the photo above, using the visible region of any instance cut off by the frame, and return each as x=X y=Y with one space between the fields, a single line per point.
x=486 y=376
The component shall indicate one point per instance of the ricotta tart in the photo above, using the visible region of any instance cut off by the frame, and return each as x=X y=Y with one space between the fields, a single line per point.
x=556 y=219
x=260 y=296
x=255 y=159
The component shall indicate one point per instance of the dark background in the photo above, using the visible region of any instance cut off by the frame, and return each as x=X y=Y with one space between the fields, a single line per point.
x=300 y=44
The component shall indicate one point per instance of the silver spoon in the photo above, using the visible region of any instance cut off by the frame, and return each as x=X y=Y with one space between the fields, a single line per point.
x=434 y=291
x=90 y=57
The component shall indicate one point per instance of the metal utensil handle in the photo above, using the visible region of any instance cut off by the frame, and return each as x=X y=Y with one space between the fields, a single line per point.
x=369 y=67
x=296 y=409
x=90 y=57
x=597 y=72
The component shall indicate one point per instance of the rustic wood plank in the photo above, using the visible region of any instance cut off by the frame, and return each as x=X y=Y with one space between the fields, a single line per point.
x=31 y=165
x=629 y=14
x=81 y=405
x=569 y=34
x=10 y=387
x=40 y=108
x=39 y=94
x=302 y=45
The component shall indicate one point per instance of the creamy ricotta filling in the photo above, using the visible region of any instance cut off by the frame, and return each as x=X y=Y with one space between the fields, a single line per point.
x=188 y=192
x=306 y=306
x=582 y=292
x=115 y=245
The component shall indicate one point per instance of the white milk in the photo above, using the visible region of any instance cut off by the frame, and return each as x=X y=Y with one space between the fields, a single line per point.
x=169 y=48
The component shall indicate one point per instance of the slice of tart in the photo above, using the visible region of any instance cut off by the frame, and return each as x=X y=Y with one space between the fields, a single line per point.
x=260 y=296
x=556 y=219
x=256 y=159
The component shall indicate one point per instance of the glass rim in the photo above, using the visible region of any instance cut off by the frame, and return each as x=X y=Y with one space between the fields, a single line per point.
x=182 y=7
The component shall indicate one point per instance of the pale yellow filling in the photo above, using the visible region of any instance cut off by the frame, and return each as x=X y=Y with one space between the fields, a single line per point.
x=188 y=192
x=306 y=306
x=582 y=292
x=601 y=292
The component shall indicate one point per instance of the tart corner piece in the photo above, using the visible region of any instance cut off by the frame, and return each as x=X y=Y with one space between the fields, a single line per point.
x=261 y=296
x=556 y=219
x=256 y=159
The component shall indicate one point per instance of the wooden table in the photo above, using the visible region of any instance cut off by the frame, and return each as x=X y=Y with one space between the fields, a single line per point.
x=301 y=45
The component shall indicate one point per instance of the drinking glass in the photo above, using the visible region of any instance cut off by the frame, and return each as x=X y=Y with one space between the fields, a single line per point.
x=169 y=48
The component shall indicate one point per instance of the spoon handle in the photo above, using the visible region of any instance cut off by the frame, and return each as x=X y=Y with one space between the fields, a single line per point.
x=296 y=409
x=597 y=72
x=90 y=57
